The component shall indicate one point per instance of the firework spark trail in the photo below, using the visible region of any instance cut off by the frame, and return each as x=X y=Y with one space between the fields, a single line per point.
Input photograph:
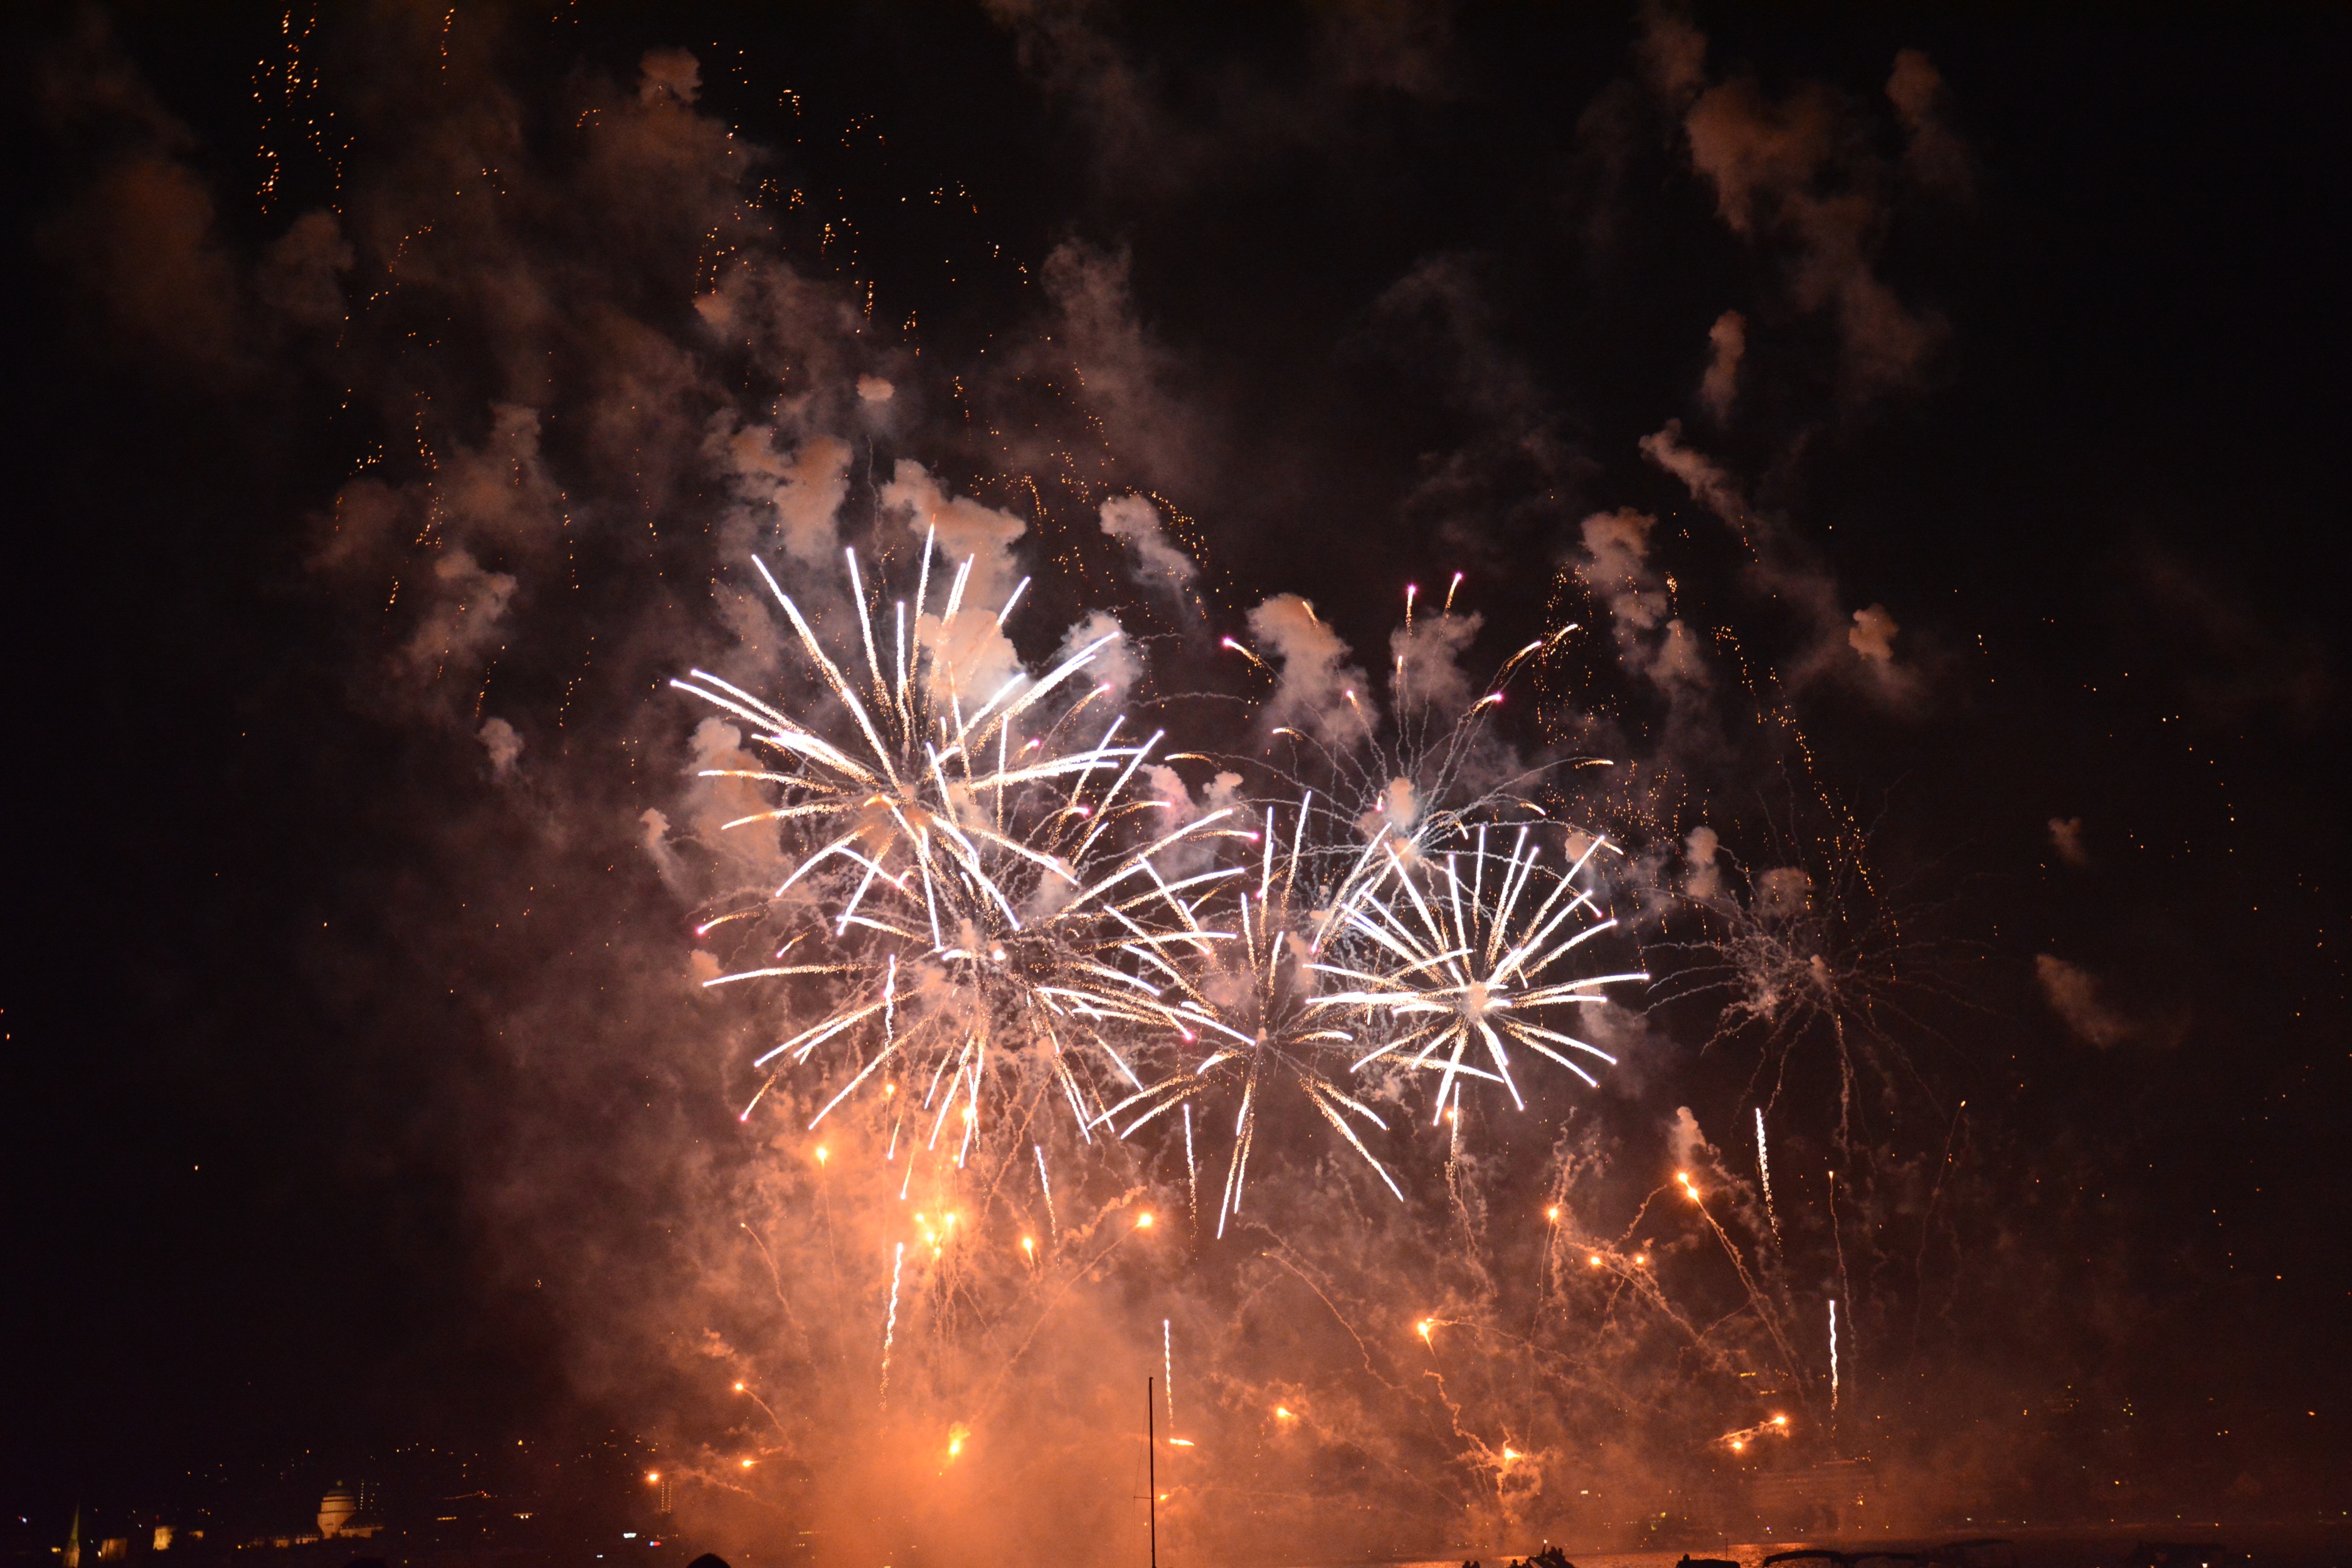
x=891 y=1325
x=1764 y=1170
x=1833 y=1355
x=1756 y=1296
x=1053 y=1226
x=1168 y=1369
x=1192 y=1168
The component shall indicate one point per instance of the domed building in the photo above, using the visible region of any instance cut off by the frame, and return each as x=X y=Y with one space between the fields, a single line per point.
x=336 y=1509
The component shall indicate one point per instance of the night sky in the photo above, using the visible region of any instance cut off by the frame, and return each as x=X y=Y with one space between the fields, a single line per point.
x=342 y=1110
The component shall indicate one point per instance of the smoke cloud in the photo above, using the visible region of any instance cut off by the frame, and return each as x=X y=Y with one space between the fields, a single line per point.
x=1160 y=564
x=1317 y=689
x=2072 y=993
x=1789 y=174
x=1727 y=339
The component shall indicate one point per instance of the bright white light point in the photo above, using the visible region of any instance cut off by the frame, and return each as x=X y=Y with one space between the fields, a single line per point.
x=1552 y=1213
x=822 y=1153
x=1509 y=1453
x=747 y=1464
x=738 y=1388
x=1282 y=1413
x=1780 y=1421
x=1594 y=1260
x=1143 y=1224
x=1422 y=1327
x=653 y=1475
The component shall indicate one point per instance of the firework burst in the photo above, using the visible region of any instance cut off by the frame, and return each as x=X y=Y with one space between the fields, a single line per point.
x=1250 y=1006
x=1474 y=957
x=964 y=877
x=978 y=905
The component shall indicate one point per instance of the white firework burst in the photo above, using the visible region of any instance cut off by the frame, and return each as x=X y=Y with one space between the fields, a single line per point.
x=967 y=884
x=1474 y=957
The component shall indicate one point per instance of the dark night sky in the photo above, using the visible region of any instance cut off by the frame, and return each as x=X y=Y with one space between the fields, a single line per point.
x=256 y=1160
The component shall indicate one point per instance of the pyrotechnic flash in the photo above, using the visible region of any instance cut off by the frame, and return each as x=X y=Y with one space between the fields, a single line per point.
x=1764 y=1170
